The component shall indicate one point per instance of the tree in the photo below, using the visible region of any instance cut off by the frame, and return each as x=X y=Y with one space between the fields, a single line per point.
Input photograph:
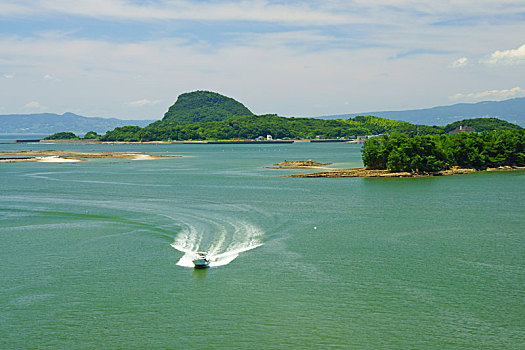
x=62 y=136
x=91 y=135
x=431 y=153
x=124 y=133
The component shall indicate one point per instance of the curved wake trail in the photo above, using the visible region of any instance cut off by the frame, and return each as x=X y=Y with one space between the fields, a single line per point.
x=223 y=241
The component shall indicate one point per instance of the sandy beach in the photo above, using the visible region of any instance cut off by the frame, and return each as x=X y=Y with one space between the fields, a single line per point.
x=53 y=156
x=299 y=164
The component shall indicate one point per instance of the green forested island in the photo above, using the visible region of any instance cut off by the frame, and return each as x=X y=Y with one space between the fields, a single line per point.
x=65 y=135
x=205 y=115
x=204 y=106
x=432 y=153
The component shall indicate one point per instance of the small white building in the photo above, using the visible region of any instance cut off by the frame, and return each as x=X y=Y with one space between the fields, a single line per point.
x=269 y=138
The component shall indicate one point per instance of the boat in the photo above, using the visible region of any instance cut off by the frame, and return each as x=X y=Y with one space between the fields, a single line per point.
x=201 y=260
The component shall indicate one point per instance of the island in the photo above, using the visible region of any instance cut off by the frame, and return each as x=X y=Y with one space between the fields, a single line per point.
x=205 y=116
x=364 y=172
x=390 y=147
x=400 y=155
x=298 y=164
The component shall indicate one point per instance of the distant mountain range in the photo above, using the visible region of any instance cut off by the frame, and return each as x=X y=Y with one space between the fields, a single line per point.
x=52 y=123
x=512 y=110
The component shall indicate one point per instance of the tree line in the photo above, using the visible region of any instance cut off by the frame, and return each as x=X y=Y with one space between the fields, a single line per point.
x=253 y=126
x=430 y=153
x=66 y=135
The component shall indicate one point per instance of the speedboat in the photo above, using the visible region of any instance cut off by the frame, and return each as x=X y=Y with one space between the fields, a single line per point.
x=201 y=260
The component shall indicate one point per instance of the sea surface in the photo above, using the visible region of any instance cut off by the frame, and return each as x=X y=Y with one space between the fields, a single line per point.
x=10 y=138
x=94 y=254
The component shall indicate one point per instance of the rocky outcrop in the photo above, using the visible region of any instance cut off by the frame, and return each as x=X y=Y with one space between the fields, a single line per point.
x=363 y=172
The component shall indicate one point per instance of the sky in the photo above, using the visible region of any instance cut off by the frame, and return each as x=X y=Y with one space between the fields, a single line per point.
x=130 y=59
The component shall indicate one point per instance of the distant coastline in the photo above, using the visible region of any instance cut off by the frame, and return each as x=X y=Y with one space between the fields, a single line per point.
x=208 y=142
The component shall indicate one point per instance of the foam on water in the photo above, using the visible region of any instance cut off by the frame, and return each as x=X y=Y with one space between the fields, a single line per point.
x=228 y=240
x=224 y=231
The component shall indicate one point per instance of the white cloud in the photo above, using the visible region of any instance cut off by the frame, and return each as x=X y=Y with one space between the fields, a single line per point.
x=322 y=12
x=460 y=62
x=507 y=57
x=15 y=8
x=49 y=77
x=492 y=94
x=298 y=38
x=285 y=65
x=34 y=105
x=143 y=102
x=245 y=10
x=8 y=76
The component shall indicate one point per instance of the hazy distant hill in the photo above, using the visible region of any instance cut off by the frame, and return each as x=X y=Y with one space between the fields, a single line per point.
x=52 y=123
x=204 y=106
x=512 y=110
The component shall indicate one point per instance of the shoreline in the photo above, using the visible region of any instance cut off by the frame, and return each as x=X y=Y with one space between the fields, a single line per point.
x=53 y=156
x=299 y=164
x=201 y=142
x=366 y=173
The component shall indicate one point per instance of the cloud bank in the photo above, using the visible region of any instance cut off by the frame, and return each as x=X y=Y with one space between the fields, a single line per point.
x=508 y=57
x=492 y=94
x=294 y=58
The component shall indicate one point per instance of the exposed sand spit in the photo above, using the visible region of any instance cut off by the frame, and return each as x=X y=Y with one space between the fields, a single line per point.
x=299 y=164
x=65 y=156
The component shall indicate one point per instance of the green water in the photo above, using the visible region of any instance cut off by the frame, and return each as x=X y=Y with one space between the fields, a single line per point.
x=87 y=259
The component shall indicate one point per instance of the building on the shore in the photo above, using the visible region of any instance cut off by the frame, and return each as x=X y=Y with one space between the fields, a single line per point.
x=462 y=128
x=366 y=137
x=269 y=138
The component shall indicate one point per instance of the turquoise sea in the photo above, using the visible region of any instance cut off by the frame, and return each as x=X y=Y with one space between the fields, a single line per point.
x=93 y=253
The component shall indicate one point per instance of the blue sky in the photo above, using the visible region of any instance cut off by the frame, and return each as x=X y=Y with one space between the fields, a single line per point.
x=131 y=59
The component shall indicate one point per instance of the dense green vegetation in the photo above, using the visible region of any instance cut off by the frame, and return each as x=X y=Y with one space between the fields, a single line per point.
x=205 y=115
x=483 y=124
x=91 y=135
x=429 y=153
x=123 y=133
x=251 y=127
x=62 y=136
x=204 y=106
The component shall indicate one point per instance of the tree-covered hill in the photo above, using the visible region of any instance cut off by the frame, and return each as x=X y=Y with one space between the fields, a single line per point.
x=483 y=124
x=205 y=115
x=204 y=106
x=63 y=135
x=251 y=127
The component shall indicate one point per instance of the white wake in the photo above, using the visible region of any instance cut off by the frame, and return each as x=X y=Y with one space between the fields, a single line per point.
x=222 y=241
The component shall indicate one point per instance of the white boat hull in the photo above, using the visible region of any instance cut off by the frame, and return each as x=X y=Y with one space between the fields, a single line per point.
x=201 y=261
